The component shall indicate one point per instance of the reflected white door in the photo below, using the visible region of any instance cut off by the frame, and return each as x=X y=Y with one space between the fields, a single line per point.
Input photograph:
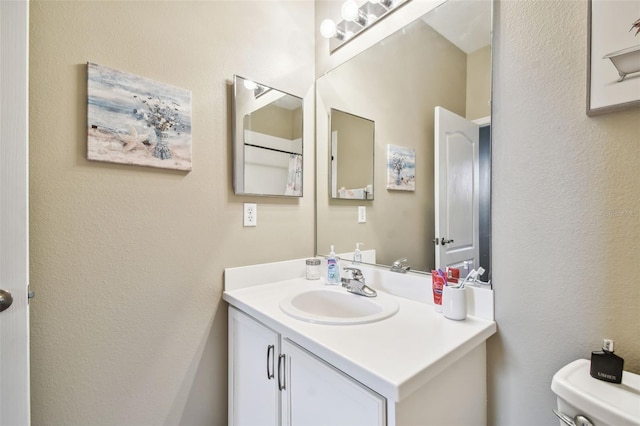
x=14 y=249
x=456 y=180
x=334 y=164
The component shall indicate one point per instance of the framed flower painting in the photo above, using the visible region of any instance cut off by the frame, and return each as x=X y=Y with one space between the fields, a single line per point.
x=134 y=120
x=401 y=168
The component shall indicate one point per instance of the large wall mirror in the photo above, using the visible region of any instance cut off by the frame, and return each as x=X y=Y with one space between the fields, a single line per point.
x=440 y=61
x=267 y=140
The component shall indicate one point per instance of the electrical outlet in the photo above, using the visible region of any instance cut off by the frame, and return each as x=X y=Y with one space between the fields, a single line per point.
x=362 y=214
x=250 y=214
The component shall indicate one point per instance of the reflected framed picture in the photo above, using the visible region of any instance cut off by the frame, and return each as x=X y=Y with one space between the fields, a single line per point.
x=401 y=168
x=613 y=56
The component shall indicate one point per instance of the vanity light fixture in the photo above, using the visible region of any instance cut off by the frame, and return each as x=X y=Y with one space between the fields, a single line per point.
x=356 y=19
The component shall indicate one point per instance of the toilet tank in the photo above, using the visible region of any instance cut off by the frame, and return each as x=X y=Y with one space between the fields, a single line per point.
x=602 y=402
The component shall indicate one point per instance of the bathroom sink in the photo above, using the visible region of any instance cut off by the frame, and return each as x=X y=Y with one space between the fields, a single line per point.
x=336 y=306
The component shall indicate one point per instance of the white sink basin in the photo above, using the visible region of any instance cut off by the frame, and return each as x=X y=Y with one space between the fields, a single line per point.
x=336 y=306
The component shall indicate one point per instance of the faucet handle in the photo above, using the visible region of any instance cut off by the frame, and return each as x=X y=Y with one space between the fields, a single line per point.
x=356 y=284
x=400 y=265
x=356 y=273
x=400 y=261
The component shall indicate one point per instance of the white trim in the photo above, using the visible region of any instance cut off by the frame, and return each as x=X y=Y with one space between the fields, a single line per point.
x=483 y=121
x=14 y=211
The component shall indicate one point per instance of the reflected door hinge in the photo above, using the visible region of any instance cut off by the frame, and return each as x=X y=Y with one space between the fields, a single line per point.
x=30 y=294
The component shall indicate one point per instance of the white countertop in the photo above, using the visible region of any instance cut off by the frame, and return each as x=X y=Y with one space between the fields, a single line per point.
x=394 y=356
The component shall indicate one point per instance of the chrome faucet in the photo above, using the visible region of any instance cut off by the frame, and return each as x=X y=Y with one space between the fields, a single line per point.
x=400 y=265
x=355 y=283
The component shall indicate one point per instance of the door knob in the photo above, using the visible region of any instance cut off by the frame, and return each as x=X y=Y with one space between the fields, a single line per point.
x=5 y=300
x=445 y=241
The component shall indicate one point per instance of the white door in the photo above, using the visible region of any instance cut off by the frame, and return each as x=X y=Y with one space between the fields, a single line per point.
x=317 y=394
x=334 y=164
x=254 y=398
x=456 y=183
x=14 y=248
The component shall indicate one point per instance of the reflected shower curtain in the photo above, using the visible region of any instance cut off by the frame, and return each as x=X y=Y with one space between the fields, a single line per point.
x=294 y=179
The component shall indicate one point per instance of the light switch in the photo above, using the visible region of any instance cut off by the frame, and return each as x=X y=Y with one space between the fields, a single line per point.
x=362 y=214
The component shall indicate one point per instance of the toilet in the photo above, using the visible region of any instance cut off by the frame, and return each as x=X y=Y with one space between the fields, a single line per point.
x=583 y=400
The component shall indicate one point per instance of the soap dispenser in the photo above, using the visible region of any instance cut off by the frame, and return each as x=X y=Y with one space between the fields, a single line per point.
x=605 y=365
x=333 y=269
x=357 y=254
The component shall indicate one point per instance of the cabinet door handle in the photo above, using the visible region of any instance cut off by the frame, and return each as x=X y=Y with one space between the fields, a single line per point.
x=270 y=356
x=281 y=376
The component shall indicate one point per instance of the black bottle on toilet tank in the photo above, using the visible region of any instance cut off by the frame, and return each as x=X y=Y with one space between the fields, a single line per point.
x=605 y=365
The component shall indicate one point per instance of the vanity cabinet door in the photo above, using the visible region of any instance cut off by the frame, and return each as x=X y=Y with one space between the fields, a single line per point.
x=254 y=398
x=316 y=393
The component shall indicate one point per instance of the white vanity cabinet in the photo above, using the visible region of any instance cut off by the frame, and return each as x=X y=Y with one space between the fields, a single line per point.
x=273 y=381
x=253 y=385
x=316 y=393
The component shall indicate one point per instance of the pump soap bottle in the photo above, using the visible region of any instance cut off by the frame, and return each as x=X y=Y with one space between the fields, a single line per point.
x=357 y=254
x=333 y=271
x=605 y=365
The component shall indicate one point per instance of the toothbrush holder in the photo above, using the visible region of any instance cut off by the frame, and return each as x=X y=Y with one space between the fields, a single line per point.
x=454 y=302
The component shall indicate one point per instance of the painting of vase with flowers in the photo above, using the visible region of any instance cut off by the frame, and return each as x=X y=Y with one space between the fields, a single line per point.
x=134 y=120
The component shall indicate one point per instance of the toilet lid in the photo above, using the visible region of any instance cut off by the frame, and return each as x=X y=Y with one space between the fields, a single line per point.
x=615 y=404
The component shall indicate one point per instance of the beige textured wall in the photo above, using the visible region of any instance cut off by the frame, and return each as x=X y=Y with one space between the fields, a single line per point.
x=299 y=124
x=273 y=120
x=127 y=262
x=566 y=212
x=479 y=83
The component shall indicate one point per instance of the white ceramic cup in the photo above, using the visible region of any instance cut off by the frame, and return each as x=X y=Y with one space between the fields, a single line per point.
x=454 y=302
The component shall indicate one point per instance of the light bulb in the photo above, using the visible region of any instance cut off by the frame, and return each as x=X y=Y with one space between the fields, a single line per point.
x=328 y=28
x=350 y=10
x=250 y=85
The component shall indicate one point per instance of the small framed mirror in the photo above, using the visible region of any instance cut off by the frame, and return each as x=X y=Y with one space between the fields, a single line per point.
x=267 y=140
x=351 y=162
